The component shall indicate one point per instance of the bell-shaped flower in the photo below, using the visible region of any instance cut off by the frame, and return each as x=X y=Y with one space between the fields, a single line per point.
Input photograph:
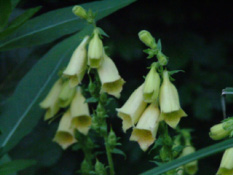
x=171 y=111
x=51 y=101
x=145 y=131
x=217 y=132
x=110 y=79
x=65 y=135
x=226 y=166
x=76 y=68
x=192 y=167
x=66 y=95
x=81 y=119
x=152 y=85
x=95 y=51
x=131 y=111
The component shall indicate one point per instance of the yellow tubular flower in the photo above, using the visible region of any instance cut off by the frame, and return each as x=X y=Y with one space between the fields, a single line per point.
x=171 y=111
x=66 y=95
x=110 y=79
x=217 y=132
x=152 y=85
x=226 y=166
x=132 y=109
x=51 y=101
x=145 y=131
x=192 y=167
x=65 y=135
x=81 y=119
x=78 y=63
x=95 y=51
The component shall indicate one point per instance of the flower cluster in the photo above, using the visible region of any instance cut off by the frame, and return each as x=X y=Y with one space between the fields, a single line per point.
x=67 y=91
x=221 y=131
x=151 y=102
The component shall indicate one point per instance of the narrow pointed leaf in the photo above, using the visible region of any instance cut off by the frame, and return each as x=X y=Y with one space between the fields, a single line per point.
x=21 y=112
x=5 y=11
x=18 y=21
x=191 y=157
x=55 y=24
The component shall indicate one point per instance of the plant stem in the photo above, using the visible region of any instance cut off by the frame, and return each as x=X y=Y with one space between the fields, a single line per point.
x=109 y=156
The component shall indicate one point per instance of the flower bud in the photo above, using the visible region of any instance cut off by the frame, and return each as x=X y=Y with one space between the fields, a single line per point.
x=171 y=111
x=226 y=166
x=147 y=39
x=76 y=68
x=132 y=109
x=79 y=11
x=145 y=131
x=95 y=51
x=110 y=79
x=163 y=60
x=217 y=132
x=99 y=168
x=151 y=87
x=66 y=95
x=190 y=168
x=65 y=135
x=81 y=119
x=51 y=101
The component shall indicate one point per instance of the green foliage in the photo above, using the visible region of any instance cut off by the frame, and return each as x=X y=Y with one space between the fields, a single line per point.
x=15 y=166
x=18 y=119
x=48 y=27
x=5 y=11
x=213 y=149
x=18 y=21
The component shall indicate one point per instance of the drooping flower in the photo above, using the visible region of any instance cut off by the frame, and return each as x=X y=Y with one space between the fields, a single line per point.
x=192 y=167
x=145 y=131
x=217 y=132
x=51 y=101
x=132 y=109
x=95 y=51
x=76 y=68
x=66 y=95
x=152 y=85
x=65 y=135
x=226 y=166
x=171 y=111
x=81 y=119
x=110 y=79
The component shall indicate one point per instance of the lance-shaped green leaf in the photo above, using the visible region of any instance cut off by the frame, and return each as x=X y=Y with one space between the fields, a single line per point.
x=52 y=25
x=18 y=21
x=191 y=157
x=5 y=11
x=15 y=166
x=21 y=112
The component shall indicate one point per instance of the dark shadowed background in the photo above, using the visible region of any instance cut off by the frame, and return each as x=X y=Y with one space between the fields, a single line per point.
x=196 y=36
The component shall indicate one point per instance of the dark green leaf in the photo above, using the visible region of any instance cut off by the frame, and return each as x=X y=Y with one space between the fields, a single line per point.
x=228 y=89
x=175 y=71
x=191 y=157
x=118 y=151
x=15 y=166
x=17 y=22
x=21 y=112
x=14 y=3
x=5 y=11
x=57 y=23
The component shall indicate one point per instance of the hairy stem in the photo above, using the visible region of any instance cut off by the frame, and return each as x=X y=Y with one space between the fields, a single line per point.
x=109 y=156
